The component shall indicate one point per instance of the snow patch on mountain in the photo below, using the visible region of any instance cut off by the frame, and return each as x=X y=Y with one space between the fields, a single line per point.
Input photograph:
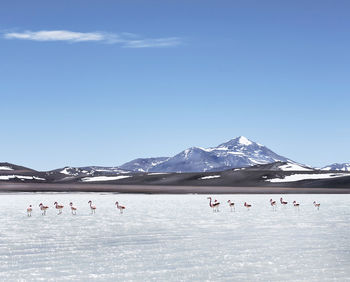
x=5 y=168
x=299 y=177
x=210 y=177
x=104 y=178
x=68 y=171
x=294 y=167
x=22 y=177
x=244 y=141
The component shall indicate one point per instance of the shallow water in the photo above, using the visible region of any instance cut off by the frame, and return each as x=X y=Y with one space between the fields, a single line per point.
x=174 y=238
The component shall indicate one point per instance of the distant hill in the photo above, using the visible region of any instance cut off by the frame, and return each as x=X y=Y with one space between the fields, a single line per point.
x=143 y=165
x=277 y=174
x=337 y=167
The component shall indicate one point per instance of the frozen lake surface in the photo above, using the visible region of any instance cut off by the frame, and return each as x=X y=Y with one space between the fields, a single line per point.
x=174 y=238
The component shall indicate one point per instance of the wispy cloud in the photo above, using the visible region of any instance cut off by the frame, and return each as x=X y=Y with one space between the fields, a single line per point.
x=126 y=40
x=158 y=42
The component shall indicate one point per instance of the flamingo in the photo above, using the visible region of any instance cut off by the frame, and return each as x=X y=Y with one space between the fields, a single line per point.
x=121 y=208
x=295 y=204
x=73 y=209
x=43 y=208
x=247 y=205
x=58 y=207
x=283 y=202
x=93 y=208
x=317 y=205
x=29 y=210
x=232 y=205
x=273 y=204
x=215 y=205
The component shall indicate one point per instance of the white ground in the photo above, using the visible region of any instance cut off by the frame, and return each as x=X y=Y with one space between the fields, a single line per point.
x=175 y=238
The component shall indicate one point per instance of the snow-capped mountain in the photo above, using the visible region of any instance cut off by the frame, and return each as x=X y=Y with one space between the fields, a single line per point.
x=238 y=152
x=337 y=166
x=143 y=165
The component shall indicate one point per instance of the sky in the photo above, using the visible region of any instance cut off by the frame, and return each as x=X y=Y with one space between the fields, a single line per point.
x=104 y=82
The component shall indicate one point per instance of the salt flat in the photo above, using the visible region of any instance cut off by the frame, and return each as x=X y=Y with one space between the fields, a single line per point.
x=174 y=238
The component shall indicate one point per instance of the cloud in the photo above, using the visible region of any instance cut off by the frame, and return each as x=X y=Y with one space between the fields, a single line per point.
x=126 y=40
x=159 y=42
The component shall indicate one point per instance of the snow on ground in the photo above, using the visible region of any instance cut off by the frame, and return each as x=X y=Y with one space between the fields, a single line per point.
x=112 y=169
x=8 y=177
x=210 y=177
x=242 y=168
x=104 y=178
x=236 y=153
x=295 y=167
x=5 y=168
x=65 y=171
x=174 y=238
x=299 y=177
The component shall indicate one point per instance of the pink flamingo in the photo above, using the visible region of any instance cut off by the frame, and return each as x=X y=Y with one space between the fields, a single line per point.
x=283 y=202
x=317 y=205
x=92 y=208
x=29 y=210
x=248 y=206
x=43 y=208
x=121 y=208
x=295 y=204
x=215 y=205
x=273 y=204
x=58 y=207
x=73 y=209
x=231 y=205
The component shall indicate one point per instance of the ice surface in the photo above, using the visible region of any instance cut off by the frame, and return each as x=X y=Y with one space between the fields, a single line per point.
x=174 y=238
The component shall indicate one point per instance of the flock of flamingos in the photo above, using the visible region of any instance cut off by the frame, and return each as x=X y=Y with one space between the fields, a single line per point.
x=73 y=209
x=213 y=204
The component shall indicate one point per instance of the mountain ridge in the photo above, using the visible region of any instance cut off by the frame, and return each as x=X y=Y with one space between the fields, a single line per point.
x=237 y=152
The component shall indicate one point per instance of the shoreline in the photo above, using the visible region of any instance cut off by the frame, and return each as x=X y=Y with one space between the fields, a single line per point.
x=164 y=189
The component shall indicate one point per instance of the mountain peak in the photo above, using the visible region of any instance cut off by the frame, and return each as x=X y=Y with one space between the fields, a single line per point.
x=244 y=140
x=240 y=141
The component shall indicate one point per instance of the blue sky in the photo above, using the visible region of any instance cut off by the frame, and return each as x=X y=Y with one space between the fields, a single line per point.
x=104 y=82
